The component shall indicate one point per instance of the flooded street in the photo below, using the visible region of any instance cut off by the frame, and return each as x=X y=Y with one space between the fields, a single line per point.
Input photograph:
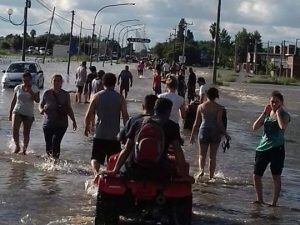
x=35 y=192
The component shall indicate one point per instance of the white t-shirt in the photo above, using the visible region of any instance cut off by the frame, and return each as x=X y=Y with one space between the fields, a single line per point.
x=97 y=85
x=203 y=90
x=81 y=75
x=24 y=104
x=177 y=101
x=166 y=67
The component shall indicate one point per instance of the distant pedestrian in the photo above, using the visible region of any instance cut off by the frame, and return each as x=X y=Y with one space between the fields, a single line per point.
x=275 y=120
x=126 y=80
x=182 y=69
x=88 y=84
x=97 y=84
x=178 y=101
x=156 y=85
x=140 y=68
x=81 y=76
x=181 y=85
x=108 y=105
x=21 y=110
x=191 y=85
x=203 y=89
x=166 y=69
x=56 y=107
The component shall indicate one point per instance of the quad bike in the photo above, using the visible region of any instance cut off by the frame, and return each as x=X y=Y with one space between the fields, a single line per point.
x=144 y=201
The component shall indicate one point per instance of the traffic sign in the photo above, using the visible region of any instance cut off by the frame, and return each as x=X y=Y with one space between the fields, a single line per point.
x=140 y=40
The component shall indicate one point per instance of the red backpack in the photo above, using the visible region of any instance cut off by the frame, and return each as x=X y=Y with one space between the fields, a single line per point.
x=149 y=143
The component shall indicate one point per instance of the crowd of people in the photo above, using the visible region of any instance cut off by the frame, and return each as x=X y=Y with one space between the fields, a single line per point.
x=162 y=111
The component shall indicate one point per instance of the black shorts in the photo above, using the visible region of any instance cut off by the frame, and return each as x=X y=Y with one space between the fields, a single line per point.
x=80 y=89
x=104 y=148
x=275 y=156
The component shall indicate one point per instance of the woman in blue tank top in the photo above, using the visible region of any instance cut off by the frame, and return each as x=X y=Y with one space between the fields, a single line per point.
x=271 y=146
x=209 y=118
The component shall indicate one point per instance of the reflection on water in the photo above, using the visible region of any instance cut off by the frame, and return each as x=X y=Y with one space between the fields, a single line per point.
x=34 y=190
x=50 y=183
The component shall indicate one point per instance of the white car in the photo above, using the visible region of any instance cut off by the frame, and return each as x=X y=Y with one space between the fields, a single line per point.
x=13 y=75
x=42 y=50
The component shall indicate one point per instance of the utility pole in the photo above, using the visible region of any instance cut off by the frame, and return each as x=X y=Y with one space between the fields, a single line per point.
x=79 y=40
x=27 y=5
x=70 y=41
x=267 y=59
x=48 y=36
x=99 y=40
x=184 y=39
x=106 y=43
x=255 y=57
x=284 y=57
x=174 y=44
x=216 y=44
x=281 y=59
x=235 y=56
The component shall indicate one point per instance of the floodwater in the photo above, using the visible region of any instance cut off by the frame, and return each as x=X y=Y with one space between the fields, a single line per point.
x=33 y=191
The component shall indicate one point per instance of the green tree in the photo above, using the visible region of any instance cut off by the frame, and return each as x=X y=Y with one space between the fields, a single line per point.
x=181 y=28
x=17 y=42
x=212 y=30
x=242 y=40
x=32 y=34
x=189 y=36
x=226 y=49
x=5 y=45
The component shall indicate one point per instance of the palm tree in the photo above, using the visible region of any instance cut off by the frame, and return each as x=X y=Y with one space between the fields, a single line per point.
x=32 y=34
x=212 y=30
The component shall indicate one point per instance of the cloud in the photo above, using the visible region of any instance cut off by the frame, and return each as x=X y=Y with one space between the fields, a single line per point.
x=274 y=19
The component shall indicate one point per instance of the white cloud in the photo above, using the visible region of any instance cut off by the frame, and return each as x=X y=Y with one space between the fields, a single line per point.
x=274 y=19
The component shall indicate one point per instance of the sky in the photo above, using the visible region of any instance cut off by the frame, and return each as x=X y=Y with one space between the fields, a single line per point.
x=276 y=20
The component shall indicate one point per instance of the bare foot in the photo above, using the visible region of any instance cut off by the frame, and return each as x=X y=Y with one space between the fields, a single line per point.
x=199 y=175
x=272 y=205
x=96 y=180
x=257 y=202
x=17 y=150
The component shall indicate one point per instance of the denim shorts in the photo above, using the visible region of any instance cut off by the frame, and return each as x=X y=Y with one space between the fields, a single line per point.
x=209 y=135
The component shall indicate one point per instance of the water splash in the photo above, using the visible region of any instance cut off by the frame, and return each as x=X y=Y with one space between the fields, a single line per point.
x=28 y=220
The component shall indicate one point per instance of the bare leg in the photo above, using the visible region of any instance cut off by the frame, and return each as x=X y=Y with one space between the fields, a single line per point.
x=16 y=124
x=95 y=166
x=213 y=149
x=276 y=188
x=26 y=132
x=121 y=91
x=258 y=188
x=203 y=151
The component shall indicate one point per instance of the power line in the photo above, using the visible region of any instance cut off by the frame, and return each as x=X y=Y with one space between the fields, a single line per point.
x=36 y=24
x=41 y=2
x=58 y=26
x=4 y=19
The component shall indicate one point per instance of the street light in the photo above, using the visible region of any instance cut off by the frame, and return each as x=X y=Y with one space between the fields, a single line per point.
x=126 y=32
x=10 y=12
x=94 y=24
x=135 y=25
x=123 y=21
x=113 y=37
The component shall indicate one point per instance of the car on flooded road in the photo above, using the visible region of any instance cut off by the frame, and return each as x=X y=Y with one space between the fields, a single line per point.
x=13 y=75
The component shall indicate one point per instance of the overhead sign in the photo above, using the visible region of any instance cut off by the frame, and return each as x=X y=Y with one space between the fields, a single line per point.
x=140 y=40
x=182 y=59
